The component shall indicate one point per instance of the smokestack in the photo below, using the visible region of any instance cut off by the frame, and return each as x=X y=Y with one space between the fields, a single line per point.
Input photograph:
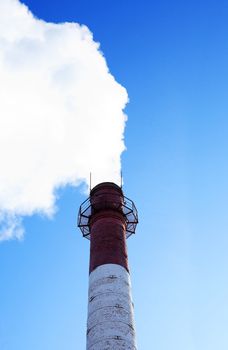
x=107 y=218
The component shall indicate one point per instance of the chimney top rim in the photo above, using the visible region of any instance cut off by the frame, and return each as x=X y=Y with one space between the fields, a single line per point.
x=103 y=185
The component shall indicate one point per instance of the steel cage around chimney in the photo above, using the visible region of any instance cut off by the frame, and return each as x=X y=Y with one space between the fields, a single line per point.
x=126 y=207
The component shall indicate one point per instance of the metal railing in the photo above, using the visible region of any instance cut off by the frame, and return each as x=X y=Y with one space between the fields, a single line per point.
x=116 y=202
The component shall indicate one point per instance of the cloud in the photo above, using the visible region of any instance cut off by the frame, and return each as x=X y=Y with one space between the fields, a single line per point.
x=61 y=114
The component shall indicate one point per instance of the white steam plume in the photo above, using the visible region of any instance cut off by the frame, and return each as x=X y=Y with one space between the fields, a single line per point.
x=61 y=114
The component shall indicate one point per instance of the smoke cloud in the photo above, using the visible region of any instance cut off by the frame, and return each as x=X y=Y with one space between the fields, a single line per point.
x=61 y=114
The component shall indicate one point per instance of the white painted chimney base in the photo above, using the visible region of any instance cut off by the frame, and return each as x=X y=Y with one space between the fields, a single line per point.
x=110 y=324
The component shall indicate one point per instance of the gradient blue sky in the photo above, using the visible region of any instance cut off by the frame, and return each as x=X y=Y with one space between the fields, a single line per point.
x=172 y=56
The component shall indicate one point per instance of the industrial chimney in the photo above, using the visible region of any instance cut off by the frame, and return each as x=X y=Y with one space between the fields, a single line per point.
x=107 y=218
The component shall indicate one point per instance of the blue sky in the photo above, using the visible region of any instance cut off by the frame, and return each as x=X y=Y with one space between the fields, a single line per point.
x=172 y=58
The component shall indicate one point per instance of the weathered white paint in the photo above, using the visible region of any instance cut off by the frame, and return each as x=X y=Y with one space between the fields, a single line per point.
x=110 y=324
